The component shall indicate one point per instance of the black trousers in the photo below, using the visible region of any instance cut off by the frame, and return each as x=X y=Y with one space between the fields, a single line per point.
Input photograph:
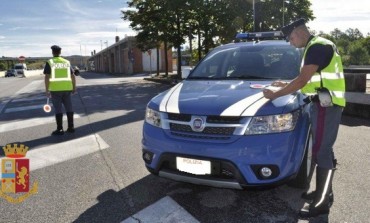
x=60 y=99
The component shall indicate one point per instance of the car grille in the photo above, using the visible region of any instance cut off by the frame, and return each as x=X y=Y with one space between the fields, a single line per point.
x=179 y=117
x=216 y=127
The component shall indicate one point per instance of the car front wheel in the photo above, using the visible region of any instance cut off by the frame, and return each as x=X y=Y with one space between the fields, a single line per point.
x=304 y=175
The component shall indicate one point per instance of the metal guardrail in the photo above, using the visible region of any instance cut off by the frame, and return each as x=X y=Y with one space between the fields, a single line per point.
x=357 y=69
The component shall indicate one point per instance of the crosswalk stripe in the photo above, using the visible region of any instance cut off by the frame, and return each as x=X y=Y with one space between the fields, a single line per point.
x=23 y=108
x=61 y=152
x=2 y=105
x=32 y=87
x=29 y=99
x=30 y=123
x=165 y=210
x=57 y=153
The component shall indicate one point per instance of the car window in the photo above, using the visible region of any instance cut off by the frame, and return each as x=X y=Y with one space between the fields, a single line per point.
x=250 y=62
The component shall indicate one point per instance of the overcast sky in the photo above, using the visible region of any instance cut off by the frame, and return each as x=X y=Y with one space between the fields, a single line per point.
x=30 y=27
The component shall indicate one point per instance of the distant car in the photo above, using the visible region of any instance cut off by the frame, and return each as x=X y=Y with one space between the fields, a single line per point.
x=11 y=73
x=216 y=128
x=20 y=68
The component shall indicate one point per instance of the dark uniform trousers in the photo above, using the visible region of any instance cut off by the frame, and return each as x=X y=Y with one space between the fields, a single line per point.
x=60 y=99
x=325 y=125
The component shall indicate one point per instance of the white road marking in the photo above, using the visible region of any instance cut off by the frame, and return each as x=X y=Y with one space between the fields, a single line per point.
x=30 y=123
x=23 y=108
x=2 y=105
x=57 y=153
x=29 y=99
x=31 y=87
x=165 y=210
x=61 y=152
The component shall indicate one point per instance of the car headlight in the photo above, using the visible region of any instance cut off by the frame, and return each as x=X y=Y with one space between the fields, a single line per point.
x=153 y=117
x=272 y=124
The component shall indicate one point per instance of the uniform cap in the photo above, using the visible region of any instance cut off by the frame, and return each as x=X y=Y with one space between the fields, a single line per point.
x=288 y=29
x=55 y=47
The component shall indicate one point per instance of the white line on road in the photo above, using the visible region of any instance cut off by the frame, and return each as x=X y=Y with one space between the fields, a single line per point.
x=29 y=123
x=165 y=210
x=31 y=87
x=61 y=152
x=57 y=153
x=29 y=99
x=24 y=108
x=2 y=105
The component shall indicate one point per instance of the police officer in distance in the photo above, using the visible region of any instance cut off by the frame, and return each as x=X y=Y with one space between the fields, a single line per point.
x=321 y=78
x=60 y=83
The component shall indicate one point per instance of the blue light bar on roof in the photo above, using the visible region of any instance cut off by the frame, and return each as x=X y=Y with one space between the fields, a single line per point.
x=260 y=35
x=242 y=36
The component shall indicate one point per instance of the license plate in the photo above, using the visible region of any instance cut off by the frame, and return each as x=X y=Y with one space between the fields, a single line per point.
x=194 y=166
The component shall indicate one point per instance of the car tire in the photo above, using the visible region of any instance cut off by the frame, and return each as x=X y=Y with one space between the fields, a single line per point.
x=303 y=178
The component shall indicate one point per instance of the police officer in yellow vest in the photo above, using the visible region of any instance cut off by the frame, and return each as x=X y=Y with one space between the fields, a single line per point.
x=60 y=83
x=321 y=79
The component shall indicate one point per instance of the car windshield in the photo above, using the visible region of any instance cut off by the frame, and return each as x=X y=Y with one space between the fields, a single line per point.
x=249 y=62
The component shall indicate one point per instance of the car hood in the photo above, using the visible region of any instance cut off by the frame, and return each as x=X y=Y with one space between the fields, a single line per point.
x=221 y=97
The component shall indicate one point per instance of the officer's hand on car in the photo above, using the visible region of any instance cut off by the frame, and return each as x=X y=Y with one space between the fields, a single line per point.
x=269 y=94
x=279 y=83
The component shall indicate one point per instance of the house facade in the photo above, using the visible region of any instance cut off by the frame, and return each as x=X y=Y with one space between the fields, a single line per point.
x=124 y=58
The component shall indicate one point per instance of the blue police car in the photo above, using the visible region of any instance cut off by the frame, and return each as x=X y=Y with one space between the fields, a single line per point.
x=216 y=128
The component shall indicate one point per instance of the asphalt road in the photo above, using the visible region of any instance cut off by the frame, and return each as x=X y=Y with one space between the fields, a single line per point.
x=97 y=174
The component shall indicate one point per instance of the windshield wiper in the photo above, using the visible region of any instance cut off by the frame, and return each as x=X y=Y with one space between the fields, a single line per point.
x=205 y=78
x=199 y=78
x=247 y=77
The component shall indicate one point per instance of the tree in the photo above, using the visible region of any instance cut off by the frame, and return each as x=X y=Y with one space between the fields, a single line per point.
x=354 y=34
x=337 y=34
x=366 y=43
x=270 y=14
x=146 y=18
x=352 y=46
x=2 y=66
x=214 y=22
x=358 y=54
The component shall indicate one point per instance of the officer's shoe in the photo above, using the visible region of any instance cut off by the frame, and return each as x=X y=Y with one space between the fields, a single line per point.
x=58 y=132
x=311 y=195
x=310 y=211
x=71 y=130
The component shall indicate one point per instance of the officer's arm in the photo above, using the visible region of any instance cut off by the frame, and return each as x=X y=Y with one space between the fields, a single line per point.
x=47 y=71
x=47 y=81
x=299 y=82
x=73 y=82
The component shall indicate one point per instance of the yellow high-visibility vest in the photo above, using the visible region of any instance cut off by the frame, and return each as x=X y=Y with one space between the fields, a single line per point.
x=60 y=78
x=332 y=76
